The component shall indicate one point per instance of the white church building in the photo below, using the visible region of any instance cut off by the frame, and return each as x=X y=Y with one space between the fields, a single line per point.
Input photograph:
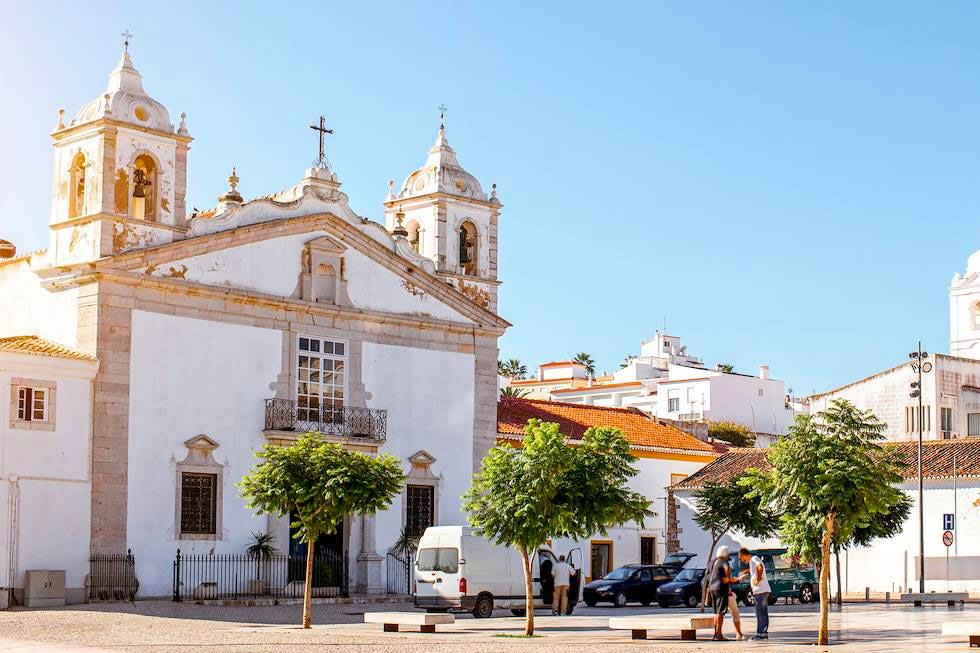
x=155 y=351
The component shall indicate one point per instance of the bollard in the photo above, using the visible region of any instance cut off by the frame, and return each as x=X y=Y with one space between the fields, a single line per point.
x=888 y=597
x=867 y=593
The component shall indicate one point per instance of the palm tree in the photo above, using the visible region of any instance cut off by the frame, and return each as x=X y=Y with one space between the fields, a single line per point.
x=261 y=548
x=510 y=392
x=513 y=369
x=586 y=360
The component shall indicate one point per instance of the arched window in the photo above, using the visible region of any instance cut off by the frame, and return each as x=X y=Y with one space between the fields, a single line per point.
x=415 y=236
x=468 y=250
x=76 y=197
x=145 y=188
x=325 y=284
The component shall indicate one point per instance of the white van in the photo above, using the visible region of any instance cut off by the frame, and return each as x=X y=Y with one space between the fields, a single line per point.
x=456 y=570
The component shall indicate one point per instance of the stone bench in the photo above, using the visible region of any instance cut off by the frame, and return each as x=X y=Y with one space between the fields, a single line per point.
x=392 y=620
x=641 y=624
x=949 y=598
x=969 y=628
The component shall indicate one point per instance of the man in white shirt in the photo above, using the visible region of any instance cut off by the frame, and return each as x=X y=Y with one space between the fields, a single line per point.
x=760 y=590
x=562 y=573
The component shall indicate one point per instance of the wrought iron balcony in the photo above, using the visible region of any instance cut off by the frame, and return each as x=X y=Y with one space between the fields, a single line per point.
x=347 y=422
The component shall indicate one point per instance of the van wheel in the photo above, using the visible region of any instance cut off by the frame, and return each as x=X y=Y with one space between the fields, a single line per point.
x=483 y=608
x=518 y=612
x=806 y=594
x=619 y=600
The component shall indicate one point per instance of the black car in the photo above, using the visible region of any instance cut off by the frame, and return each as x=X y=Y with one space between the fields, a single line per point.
x=627 y=584
x=685 y=589
x=677 y=561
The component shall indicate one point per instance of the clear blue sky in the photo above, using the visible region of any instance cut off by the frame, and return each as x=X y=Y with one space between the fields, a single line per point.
x=788 y=183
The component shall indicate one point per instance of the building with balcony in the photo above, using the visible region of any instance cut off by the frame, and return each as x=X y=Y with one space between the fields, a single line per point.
x=216 y=332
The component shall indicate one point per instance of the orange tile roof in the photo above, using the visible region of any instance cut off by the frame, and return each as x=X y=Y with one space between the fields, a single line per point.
x=937 y=461
x=574 y=419
x=600 y=386
x=38 y=346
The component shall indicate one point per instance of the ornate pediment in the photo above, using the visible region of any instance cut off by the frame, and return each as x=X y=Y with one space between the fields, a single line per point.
x=201 y=443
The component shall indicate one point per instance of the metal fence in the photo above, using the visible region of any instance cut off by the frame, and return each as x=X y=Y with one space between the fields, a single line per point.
x=112 y=577
x=401 y=574
x=200 y=577
x=346 y=421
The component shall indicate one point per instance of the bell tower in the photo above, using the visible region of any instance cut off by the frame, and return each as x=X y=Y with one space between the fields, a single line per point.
x=449 y=219
x=120 y=173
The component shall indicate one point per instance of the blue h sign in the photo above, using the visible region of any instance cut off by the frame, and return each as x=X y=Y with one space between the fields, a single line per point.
x=949 y=522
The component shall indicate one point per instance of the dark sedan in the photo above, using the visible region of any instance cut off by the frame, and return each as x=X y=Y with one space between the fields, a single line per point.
x=628 y=584
x=685 y=589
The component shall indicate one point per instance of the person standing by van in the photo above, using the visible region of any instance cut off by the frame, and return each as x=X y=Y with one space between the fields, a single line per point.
x=562 y=573
x=720 y=587
x=760 y=590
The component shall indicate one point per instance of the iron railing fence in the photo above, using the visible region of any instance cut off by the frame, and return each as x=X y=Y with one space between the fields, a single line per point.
x=401 y=574
x=346 y=421
x=200 y=577
x=112 y=577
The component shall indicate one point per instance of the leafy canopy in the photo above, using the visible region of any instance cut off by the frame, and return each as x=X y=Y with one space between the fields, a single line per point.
x=735 y=434
x=722 y=507
x=320 y=483
x=833 y=465
x=546 y=488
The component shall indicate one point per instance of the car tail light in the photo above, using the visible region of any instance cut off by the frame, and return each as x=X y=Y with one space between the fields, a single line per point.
x=462 y=586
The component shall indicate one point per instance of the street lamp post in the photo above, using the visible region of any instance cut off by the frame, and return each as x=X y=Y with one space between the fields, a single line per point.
x=920 y=365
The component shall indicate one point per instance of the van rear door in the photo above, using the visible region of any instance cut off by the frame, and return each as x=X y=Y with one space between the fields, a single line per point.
x=437 y=571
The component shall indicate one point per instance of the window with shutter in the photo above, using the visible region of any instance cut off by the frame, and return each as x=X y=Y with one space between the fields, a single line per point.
x=198 y=503
x=420 y=509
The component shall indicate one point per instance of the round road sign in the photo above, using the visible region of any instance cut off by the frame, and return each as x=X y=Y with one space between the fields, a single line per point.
x=948 y=538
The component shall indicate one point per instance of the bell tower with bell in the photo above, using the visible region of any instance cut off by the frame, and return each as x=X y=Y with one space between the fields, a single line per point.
x=446 y=216
x=120 y=172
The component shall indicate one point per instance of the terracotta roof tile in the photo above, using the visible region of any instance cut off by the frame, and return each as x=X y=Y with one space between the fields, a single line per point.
x=38 y=346
x=937 y=461
x=574 y=419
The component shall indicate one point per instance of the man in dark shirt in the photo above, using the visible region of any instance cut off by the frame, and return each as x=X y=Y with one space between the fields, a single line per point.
x=719 y=587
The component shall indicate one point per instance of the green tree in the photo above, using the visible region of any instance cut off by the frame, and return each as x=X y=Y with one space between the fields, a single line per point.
x=726 y=368
x=883 y=526
x=723 y=507
x=735 y=434
x=586 y=360
x=545 y=488
x=512 y=369
x=510 y=392
x=319 y=483
x=829 y=480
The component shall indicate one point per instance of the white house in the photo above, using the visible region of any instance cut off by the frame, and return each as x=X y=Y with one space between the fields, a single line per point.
x=219 y=332
x=45 y=453
x=888 y=565
x=666 y=455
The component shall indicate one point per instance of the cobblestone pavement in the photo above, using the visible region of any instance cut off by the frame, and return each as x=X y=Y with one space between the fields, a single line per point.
x=165 y=627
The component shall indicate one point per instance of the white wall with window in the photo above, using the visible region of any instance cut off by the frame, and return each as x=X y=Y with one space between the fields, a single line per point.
x=45 y=482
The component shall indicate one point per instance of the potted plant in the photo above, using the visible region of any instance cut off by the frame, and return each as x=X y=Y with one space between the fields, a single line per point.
x=262 y=549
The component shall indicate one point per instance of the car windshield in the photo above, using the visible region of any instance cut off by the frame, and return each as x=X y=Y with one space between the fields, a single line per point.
x=675 y=559
x=620 y=574
x=690 y=574
x=445 y=560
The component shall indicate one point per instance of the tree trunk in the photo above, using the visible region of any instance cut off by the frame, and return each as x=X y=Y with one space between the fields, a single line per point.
x=308 y=590
x=528 y=593
x=823 y=637
x=840 y=599
x=707 y=571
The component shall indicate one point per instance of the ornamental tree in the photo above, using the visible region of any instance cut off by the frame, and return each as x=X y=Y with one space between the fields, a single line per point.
x=723 y=507
x=545 y=488
x=830 y=479
x=319 y=483
x=735 y=434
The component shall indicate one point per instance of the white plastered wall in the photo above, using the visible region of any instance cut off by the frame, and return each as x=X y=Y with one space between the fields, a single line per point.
x=52 y=315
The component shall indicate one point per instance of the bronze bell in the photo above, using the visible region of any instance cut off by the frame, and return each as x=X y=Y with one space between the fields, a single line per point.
x=140 y=182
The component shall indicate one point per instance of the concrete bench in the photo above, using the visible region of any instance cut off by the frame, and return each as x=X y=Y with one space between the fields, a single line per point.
x=949 y=598
x=392 y=620
x=969 y=628
x=641 y=624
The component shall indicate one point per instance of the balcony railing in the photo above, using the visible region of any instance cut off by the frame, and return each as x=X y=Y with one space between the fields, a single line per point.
x=348 y=421
x=689 y=417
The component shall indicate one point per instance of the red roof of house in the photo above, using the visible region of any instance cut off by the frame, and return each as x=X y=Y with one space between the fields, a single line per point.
x=574 y=419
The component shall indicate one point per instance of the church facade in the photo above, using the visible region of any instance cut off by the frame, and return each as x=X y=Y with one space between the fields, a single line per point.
x=220 y=331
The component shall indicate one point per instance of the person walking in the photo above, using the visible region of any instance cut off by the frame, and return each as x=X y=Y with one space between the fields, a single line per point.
x=562 y=573
x=759 y=584
x=719 y=588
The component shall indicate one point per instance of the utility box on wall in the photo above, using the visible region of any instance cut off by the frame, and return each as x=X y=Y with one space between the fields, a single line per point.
x=44 y=589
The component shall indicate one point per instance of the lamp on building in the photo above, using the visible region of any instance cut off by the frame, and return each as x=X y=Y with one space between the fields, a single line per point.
x=920 y=366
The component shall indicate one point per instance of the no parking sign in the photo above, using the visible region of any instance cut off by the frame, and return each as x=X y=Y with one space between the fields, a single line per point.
x=948 y=538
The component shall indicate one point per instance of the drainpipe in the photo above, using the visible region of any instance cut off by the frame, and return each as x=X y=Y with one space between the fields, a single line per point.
x=13 y=503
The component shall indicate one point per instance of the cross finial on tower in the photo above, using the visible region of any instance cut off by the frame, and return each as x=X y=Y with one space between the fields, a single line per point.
x=321 y=162
x=442 y=115
x=126 y=34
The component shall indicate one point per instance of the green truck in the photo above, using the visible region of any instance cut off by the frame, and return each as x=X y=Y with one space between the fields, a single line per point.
x=788 y=578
